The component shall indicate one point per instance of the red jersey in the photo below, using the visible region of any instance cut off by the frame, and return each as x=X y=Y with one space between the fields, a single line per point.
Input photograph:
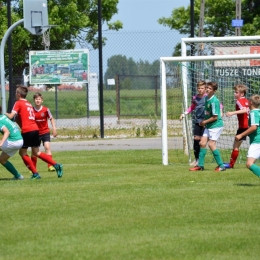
x=242 y=118
x=41 y=117
x=24 y=111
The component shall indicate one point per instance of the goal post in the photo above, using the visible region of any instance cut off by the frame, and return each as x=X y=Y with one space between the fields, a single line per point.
x=220 y=59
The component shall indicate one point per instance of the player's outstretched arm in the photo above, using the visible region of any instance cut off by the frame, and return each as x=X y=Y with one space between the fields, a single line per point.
x=238 y=112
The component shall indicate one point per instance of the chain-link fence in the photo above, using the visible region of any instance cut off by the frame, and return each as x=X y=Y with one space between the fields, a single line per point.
x=131 y=103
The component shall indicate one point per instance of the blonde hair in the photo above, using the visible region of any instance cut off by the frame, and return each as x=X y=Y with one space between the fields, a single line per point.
x=201 y=83
x=241 y=88
x=255 y=100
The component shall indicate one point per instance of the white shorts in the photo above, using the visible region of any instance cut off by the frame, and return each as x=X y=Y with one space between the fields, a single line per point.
x=11 y=147
x=213 y=134
x=254 y=151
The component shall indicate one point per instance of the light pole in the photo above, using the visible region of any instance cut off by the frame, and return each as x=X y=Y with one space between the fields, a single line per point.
x=193 y=87
x=10 y=62
x=192 y=18
x=238 y=16
x=101 y=107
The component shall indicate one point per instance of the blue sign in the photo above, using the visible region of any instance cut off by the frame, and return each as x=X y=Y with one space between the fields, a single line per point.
x=237 y=23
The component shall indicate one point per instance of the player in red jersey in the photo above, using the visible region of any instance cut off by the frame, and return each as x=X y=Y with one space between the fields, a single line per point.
x=42 y=116
x=242 y=111
x=24 y=113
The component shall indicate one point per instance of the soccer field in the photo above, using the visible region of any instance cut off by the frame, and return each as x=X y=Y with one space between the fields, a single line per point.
x=127 y=205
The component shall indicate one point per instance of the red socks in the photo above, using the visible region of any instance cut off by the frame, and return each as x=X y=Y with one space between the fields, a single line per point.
x=50 y=156
x=34 y=160
x=47 y=158
x=29 y=164
x=233 y=158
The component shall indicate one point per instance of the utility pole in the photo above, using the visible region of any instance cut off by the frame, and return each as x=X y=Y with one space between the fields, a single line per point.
x=100 y=44
x=12 y=88
x=238 y=16
x=193 y=86
x=201 y=21
x=192 y=19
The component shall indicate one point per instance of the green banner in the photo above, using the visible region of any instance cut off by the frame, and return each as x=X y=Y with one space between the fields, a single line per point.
x=58 y=67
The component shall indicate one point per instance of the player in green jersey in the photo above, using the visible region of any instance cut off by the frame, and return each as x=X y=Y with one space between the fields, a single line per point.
x=213 y=128
x=254 y=135
x=10 y=143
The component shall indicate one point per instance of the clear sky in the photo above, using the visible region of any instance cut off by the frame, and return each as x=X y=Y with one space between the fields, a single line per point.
x=143 y=14
x=142 y=37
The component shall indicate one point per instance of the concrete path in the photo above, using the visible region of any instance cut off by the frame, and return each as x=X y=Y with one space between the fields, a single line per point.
x=108 y=144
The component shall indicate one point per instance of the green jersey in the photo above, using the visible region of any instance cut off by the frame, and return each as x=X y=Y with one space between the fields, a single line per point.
x=15 y=134
x=212 y=108
x=254 y=119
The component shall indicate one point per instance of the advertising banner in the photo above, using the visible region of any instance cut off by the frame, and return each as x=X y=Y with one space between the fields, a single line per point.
x=59 y=67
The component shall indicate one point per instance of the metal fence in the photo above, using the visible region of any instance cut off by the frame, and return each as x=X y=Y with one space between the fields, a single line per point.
x=137 y=96
x=74 y=106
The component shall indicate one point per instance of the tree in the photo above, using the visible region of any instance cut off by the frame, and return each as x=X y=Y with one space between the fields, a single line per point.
x=77 y=22
x=123 y=66
x=119 y=64
x=251 y=16
x=217 y=20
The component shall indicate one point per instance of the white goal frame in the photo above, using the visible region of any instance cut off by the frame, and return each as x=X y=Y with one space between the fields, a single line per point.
x=184 y=58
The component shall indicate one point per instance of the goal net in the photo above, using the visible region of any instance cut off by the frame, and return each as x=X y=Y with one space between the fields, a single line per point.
x=225 y=60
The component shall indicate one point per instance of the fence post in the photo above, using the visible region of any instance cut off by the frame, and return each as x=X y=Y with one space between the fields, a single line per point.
x=156 y=96
x=87 y=99
x=56 y=100
x=117 y=98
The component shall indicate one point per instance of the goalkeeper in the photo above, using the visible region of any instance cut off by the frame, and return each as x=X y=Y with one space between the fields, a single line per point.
x=242 y=111
x=213 y=128
x=197 y=105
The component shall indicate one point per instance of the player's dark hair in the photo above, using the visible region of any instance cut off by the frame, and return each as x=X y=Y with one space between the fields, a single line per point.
x=37 y=94
x=22 y=90
x=241 y=88
x=214 y=85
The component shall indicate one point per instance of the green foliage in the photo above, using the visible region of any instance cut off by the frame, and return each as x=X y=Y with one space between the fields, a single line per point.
x=138 y=132
x=126 y=84
x=217 y=19
x=151 y=129
x=126 y=205
x=95 y=133
x=77 y=22
x=121 y=65
x=81 y=109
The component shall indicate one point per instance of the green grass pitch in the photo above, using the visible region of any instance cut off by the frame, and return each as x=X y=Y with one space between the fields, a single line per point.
x=127 y=205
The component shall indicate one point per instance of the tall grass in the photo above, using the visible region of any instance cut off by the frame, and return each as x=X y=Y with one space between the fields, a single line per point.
x=126 y=205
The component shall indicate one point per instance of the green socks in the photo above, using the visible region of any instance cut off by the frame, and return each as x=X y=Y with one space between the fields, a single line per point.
x=255 y=169
x=217 y=157
x=202 y=155
x=9 y=167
